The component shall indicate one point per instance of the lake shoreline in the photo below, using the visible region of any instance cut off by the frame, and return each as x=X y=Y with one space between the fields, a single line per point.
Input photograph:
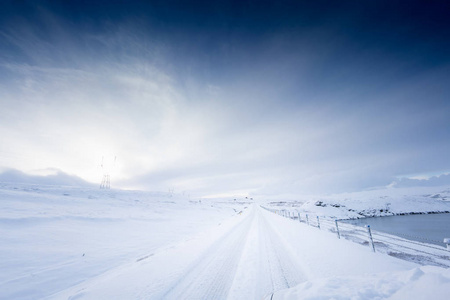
x=396 y=214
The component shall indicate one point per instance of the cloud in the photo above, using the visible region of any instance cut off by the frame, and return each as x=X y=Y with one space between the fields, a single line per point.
x=222 y=111
x=58 y=178
x=440 y=180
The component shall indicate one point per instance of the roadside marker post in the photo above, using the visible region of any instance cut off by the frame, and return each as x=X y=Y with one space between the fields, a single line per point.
x=337 y=229
x=370 y=237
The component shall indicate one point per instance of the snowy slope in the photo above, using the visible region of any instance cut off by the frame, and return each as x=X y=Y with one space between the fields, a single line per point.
x=380 y=202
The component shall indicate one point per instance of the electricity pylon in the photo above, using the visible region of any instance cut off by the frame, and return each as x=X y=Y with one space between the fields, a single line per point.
x=106 y=181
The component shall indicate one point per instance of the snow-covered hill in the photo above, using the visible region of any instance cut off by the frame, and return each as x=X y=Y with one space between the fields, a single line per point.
x=380 y=202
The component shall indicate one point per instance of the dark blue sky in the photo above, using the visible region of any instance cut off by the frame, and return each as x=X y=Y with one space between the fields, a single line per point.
x=413 y=32
x=298 y=96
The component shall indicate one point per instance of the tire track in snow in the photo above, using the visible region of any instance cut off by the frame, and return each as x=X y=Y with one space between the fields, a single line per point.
x=285 y=271
x=277 y=277
x=266 y=265
x=211 y=275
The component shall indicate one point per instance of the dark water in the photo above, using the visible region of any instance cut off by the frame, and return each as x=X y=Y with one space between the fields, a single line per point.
x=431 y=228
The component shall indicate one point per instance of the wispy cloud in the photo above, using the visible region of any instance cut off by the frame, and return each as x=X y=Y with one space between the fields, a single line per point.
x=298 y=110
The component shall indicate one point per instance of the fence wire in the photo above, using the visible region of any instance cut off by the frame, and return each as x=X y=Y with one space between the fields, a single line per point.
x=397 y=245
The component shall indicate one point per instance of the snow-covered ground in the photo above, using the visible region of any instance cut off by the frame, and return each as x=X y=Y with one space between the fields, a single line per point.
x=54 y=237
x=418 y=283
x=73 y=243
x=371 y=203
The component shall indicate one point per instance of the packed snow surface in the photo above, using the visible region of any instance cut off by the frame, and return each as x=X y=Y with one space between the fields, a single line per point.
x=69 y=243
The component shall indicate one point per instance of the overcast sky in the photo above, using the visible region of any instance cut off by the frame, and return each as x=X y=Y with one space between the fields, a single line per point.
x=227 y=97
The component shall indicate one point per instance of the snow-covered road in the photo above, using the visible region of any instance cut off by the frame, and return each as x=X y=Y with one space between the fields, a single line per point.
x=250 y=256
x=265 y=259
x=243 y=258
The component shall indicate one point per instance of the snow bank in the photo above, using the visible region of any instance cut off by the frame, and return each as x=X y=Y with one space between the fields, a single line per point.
x=419 y=283
x=321 y=254
x=340 y=269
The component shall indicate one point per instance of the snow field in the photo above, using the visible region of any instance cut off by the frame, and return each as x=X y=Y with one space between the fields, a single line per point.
x=53 y=238
x=67 y=243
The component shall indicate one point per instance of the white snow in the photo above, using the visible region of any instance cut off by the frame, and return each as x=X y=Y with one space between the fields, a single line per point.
x=81 y=243
x=379 y=202
x=52 y=238
x=418 y=283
